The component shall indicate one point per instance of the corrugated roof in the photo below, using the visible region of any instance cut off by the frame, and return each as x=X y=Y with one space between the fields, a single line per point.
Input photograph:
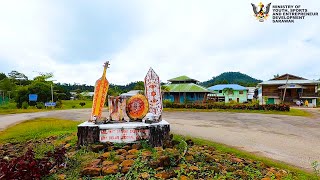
x=182 y=78
x=223 y=86
x=130 y=93
x=290 y=76
x=294 y=81
x=87 y=93
x=186 y=87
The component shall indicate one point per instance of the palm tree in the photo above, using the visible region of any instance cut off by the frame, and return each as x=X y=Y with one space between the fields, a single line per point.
x=227 y=91
x=165 y=88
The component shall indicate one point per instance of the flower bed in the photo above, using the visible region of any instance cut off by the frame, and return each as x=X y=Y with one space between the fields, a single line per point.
x=268 y=107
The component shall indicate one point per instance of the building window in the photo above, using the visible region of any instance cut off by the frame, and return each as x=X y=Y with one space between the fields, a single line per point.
x=220 y=91
x=240 y=92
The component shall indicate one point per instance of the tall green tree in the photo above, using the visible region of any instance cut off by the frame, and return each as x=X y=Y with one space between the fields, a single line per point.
x=21 y=95
x=276 y=76
x=18 y=78
x=114 y=91
x=40 y=86
x=7 y=85
x=139 y=86
x=43 y=77
x=17 y=75
x=2 y=76
x=227 y=91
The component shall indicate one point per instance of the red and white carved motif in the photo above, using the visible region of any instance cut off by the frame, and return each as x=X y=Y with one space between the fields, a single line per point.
x=153 y=92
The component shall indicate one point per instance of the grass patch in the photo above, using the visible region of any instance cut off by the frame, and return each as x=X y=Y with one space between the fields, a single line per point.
x=41 y=149
x=11 y=108
x=17 y=111
x=301 y=174
x=292 y=112
x=37 y=129
x=74 y=104
x=77 y=162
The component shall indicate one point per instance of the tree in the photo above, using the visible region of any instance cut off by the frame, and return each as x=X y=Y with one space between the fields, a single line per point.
x=2 y=76
x=16 y=75
x=18 y=78
x=21 y=95
x=60 y=93
x=114 y=91
x=42 y=89
x=225 y=81
x=43 y=77
x=7 y=85
x=165 y=88
x=139 y=85
x=276 y=76
x=227 y=91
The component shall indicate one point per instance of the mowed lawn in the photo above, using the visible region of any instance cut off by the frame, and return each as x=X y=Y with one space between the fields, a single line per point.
x=38 y=129
x=75 y=104
x=11 y=108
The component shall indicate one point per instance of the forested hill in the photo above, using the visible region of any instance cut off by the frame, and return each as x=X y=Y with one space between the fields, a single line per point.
x=232 y=78
x=112 y=87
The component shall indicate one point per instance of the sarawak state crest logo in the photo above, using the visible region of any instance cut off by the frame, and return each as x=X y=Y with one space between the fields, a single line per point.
x=262 y=14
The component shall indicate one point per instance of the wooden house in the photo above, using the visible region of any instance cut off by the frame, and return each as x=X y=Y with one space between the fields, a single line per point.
x=183 y=89
x=288 y=89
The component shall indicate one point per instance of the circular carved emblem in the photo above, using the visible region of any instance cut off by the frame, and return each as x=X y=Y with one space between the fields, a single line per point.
x=137 y=107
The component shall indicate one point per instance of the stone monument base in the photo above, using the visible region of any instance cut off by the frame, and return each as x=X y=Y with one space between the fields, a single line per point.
x=128 y=132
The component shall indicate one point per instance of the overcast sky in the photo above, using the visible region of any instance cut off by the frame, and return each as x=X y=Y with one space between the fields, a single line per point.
x=200 y=39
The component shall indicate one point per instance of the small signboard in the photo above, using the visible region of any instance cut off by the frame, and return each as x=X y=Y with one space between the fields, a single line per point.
x=33 y=97
x=123 y=135
x=50 y=104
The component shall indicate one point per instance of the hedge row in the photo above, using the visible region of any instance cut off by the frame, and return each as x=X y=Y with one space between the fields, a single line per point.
x=268 y=107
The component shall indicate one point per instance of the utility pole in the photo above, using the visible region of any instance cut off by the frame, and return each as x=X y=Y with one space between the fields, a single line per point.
x=285 y=89
x=52 y=91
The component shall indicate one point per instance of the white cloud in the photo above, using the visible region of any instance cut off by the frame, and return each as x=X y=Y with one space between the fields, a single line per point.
x=198 y=39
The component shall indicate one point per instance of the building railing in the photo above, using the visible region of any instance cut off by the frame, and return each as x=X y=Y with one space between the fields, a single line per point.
x=271 y=94
x=308 y=94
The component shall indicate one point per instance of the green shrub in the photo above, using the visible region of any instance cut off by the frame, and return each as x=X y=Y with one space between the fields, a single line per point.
x=82 y=104
x=25 y=105
x=167 y=103
x=8 y=106
x=40 y=105
x=218 y=105
x=74 y=106
x=59 y=104
x=233 y=102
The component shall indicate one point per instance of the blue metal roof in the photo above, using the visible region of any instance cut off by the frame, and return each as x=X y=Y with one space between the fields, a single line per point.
x=223 y=86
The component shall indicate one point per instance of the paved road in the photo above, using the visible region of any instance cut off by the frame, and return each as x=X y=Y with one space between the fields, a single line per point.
x=295 y=140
